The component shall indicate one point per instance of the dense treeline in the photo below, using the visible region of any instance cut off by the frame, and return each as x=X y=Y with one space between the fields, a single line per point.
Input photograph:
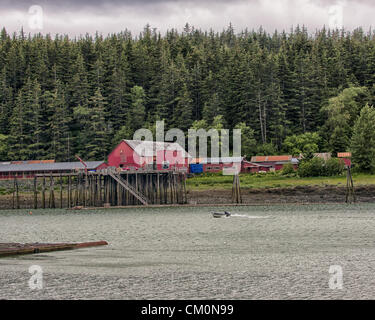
x=60 y=96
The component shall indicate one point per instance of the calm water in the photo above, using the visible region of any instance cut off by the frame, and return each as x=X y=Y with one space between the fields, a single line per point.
x=273 y=252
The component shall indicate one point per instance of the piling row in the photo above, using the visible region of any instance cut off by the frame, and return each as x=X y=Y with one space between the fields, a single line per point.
x=103 y=189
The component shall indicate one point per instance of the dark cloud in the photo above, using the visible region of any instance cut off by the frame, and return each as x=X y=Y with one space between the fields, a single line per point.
x=20 y=4
x=81 y=16
x=333 y=2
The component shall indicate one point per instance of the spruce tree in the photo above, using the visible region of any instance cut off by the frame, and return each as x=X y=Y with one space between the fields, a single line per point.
x=21 y=124
x=363 y=140
x=118 y=88
x=136 y=115
x=248 y=142
x=97 y=144
x=36 y=121
x=279 y=84
x=79 y=87
x=183 y=114
x=6 y=103
x=60 y=143
x=3 y=147
x=342 y=112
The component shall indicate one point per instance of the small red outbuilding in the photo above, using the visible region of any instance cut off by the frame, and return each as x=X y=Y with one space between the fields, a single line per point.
x=346 y=157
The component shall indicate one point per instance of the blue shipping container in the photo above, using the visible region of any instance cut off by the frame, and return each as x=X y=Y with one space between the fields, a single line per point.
x=196 y=168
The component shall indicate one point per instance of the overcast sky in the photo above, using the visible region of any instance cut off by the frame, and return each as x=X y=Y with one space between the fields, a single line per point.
x=75 y=17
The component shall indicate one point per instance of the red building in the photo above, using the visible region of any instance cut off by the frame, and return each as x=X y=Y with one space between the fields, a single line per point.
x=149 y=155
x=239 y=164
x=254 y=167
x=229 y=164
x=275 y=162
x=220 y=164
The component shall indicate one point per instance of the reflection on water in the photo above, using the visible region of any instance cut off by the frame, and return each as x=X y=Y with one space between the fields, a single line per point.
x=272 y=252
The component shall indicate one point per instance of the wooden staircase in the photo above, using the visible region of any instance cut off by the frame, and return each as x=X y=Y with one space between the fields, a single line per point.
x=140 y=196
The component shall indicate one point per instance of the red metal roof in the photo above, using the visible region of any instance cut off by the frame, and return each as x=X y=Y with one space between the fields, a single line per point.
x=247 y=164
x=344 y=155
x=150 y=148
x=258 y=159
x=270 y=158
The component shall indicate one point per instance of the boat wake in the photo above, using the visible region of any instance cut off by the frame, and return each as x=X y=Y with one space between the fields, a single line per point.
x=248 y=217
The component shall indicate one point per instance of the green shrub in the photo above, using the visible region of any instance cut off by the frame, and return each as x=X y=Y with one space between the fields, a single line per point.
x=312 y=168
x=287 y=169
x=317 y=167
x=5 y=191
x=334 y=167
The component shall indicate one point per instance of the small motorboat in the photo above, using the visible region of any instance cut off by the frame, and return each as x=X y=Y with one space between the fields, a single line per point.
x=225 y=214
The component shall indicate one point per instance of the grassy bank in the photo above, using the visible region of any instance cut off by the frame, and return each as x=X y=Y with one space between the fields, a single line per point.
x=272 y=180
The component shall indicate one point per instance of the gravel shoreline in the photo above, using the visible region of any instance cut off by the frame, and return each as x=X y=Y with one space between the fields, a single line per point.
x=298 y=195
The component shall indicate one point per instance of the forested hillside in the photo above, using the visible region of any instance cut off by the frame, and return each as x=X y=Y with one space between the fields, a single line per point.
x=61 y=96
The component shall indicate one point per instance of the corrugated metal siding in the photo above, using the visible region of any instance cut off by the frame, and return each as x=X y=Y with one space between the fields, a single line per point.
x=270 y=158
x=150 y=148
x=218 y=160
x=58 y=166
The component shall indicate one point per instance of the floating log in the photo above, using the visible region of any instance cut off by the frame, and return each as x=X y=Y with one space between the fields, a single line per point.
x=11 y=249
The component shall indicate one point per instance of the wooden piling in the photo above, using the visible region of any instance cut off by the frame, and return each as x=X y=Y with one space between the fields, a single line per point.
x=35 y=193
x=14 y=194
x=118 y=194
x=17 y=195
x=97 y=188
x=69 y=191
x=44 y=193
x=107 y=189
x=61 y=192
x=136 y=185
x=85 y=190
x=76 y=191
x=350 y=194
x=185 y=191
x=52 y=193
x=236 y=190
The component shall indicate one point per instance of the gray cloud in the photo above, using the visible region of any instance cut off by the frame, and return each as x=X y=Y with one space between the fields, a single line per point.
x=81 y=16
x=20 y=4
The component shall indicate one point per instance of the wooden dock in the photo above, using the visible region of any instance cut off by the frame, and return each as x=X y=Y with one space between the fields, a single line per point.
x=12 y=249
x=103 y=188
